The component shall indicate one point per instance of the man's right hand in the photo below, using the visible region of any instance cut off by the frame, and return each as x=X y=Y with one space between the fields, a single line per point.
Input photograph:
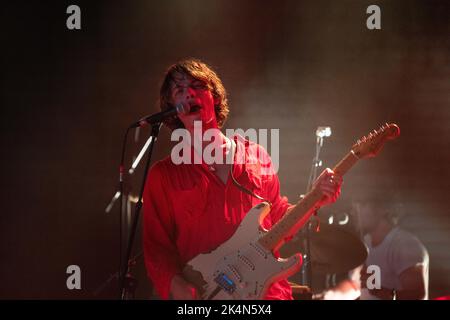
x=180 y=289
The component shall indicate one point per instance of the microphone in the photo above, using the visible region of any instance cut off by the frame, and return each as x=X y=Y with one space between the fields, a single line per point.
x=160 y=116
x=323 y=132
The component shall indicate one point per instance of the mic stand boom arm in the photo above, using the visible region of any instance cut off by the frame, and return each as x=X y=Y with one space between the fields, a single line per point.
x=130 y=171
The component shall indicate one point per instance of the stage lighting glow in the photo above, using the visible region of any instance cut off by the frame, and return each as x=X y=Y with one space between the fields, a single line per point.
x=323 y=132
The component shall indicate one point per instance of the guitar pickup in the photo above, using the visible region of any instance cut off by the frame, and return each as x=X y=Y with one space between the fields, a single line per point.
x=247 y=262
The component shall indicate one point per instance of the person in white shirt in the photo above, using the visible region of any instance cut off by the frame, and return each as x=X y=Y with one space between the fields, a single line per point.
x=400 y=258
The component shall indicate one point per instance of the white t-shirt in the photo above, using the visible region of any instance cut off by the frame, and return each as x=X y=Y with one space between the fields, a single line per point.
x=398 y=251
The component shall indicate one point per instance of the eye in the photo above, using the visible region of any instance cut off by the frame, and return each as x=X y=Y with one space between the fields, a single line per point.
x=178 y=90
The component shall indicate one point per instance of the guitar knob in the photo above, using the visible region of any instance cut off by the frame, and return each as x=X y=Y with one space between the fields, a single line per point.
x=242 y=284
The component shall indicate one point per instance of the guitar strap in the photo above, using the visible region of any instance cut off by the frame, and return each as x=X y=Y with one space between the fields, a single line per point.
x=238 y=185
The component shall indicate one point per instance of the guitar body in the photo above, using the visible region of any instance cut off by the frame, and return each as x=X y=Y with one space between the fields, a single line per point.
x=240 y=268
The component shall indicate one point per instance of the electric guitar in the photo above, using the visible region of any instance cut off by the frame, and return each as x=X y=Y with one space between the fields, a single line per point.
x=244 y=266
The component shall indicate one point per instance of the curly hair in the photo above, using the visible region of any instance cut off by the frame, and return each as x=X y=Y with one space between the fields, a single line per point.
x=200 y=71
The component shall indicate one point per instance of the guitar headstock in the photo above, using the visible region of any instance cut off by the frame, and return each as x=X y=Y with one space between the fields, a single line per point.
x=371 y=144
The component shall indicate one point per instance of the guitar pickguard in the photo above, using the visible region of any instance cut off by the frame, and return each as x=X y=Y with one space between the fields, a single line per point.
x=240 y=268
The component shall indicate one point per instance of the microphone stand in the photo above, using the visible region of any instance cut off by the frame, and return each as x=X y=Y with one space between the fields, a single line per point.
x=130 y=199
x=127 y=283
x=132 y=284
x=306 y=271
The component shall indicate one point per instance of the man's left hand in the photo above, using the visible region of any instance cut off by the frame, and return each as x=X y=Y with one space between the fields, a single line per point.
x=329 y=185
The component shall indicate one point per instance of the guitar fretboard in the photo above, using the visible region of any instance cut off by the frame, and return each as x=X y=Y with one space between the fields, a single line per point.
x=299 y=215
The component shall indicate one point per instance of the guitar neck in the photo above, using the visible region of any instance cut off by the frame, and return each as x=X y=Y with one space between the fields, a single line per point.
x=299 y=215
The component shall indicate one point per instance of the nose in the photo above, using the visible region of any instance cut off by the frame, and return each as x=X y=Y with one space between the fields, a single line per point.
x=189 y=93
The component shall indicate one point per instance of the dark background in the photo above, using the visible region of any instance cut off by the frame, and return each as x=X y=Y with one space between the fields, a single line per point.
x=68 y=96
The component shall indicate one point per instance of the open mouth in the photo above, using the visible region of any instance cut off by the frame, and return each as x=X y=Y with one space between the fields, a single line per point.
x=194 y=109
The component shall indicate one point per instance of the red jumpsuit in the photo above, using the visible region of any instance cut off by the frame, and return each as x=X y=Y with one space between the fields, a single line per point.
x=188 y=210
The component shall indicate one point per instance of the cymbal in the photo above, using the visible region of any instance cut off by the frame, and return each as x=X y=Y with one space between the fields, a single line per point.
x=333 y=249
